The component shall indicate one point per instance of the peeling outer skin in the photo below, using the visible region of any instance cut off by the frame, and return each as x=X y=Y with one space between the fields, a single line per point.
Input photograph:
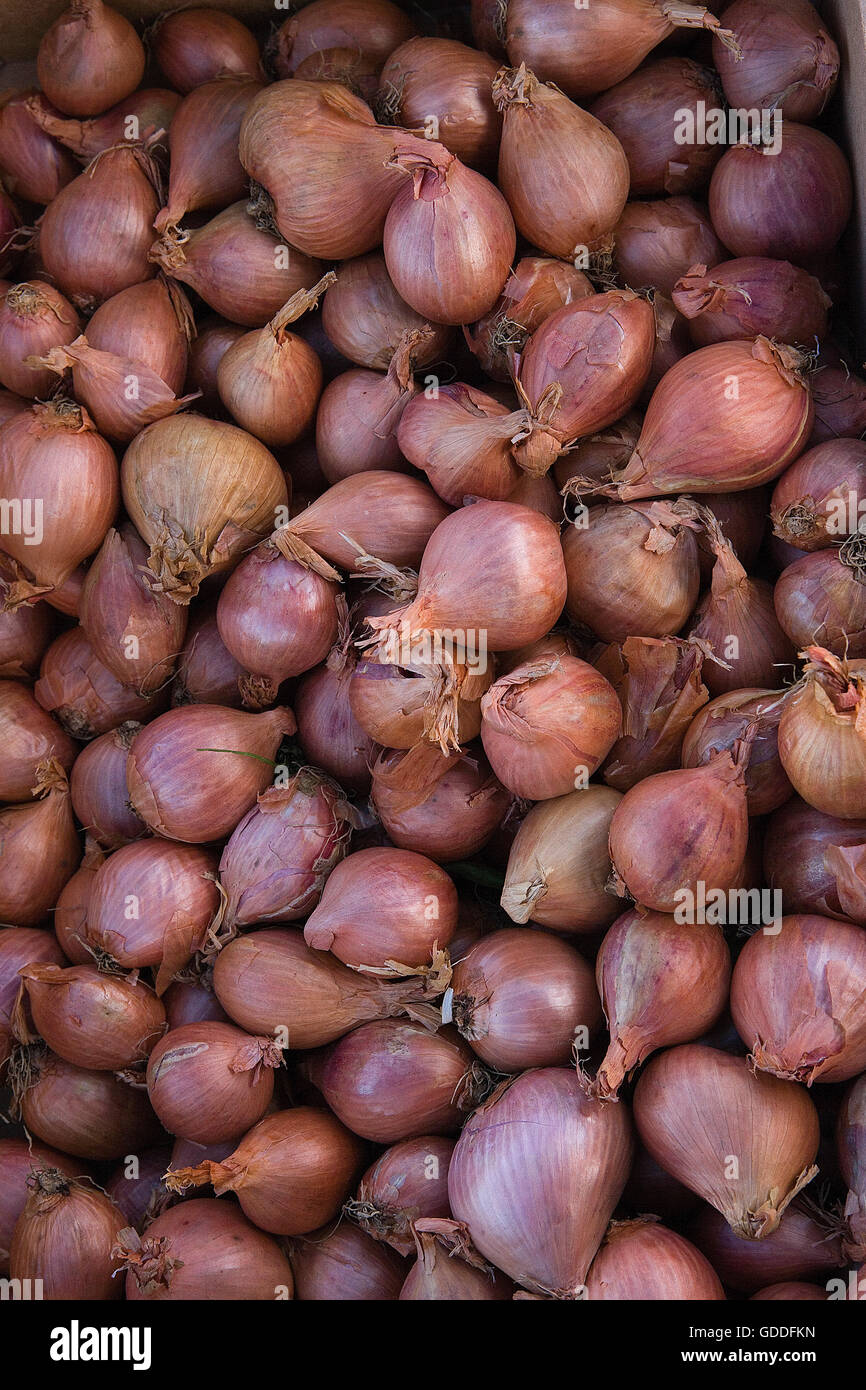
x=758 y=1222
x=644 y=478
x=436 y=974
x=147 y=1259
x=778 y=1058
x=293 y=548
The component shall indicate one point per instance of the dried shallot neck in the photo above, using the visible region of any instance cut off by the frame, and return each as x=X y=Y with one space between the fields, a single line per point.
x=300 y=303
x=28 y=300
x=147 y=1259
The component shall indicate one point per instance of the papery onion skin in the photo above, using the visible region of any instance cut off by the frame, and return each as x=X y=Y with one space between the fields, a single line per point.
x=790 y=62
x=40 y=848
x=440 y=1273
x=277 y=620
x=694 y=1105
x=94 y=1020
x=207 y=673
x=328 y=732
x=644 y=1261
x=538 y=1144
x=382 y=905
x=203 y=140
x=559 y=863
x=359 y=413
x=343 y=1263
x=194 y=46
x=392 y=1080
x=383 y=514
x=203 y=1251
x=29 y=736
x=518 y=579
x=18 y=1159
x=657 y=242
x=805 y=852
x=82 y=693
x=270 y=381
x=631 y=570
x=811 y=506
x=587 y=50
x=271 y=980
x=212 y=342
x=821 y=598
x=364 y=316
x=89 y=1113
x=135 y=631
x=742 y=520
x=278 y=857
x=727 y=447
x=122 y=394
x=149 y=323
x=819 y=744
x=565 y=175
x=661 y=983
x=451 y=816
x=792 y=206
x=462 y=439
x=546 y=724
x=241 y=270
x=291 y=1171
x=643 y=112
x=720 y=723
x=677 y=829
x=192 y=1001
x=190 y=775
x=738 y=620
x=599 y=457
x=141 y=1196
x=34 y=166
x=141 y=114
x=211 y=1081
x=90 y=58
x=451 y=82
x=535 y=289
x=64 y=1238
x=53 y=452
x=449 y=237
x=399 y=707
x=357 y=71
x=70 y=913
x=198 y=521
x=34 y=317
x=582 y=370
x=151 y=904
x=804 y=1245
x=795 y=999
x=749 y=298
x=95 y=235
x=376 y=27
x=520 y=997
x=329 y=184
x=407 y=1181
x=20 y=947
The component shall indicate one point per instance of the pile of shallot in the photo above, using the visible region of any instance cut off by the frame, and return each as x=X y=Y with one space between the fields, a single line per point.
x=432 y=657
